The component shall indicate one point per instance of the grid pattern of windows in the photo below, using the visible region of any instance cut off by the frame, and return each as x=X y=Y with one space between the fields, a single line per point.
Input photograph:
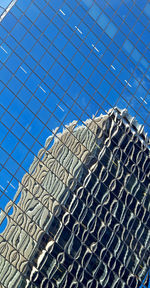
x=62 y=61
x=81 y=217
x=5 y=6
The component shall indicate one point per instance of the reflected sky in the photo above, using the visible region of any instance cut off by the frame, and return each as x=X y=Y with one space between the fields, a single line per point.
x=89 y=60
x=4 y=4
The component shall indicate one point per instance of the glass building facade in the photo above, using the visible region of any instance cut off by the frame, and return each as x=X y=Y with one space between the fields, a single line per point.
x=62 y=61
x=82 y=216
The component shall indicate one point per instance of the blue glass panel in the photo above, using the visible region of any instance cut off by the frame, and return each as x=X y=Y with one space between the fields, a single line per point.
x=13 y=62
x=35 y=32
x=9 y=142
x=4 y=222
x=117 y=20
x=123 y=10
x=65 y=80
x=67 y=31
x=89 y=21
x=20 y=152
x=16 y=11
x=3 y=157
x=144 y=63
x=86 y=3
x=47 y=61
x=21 y=52
x=108 y=10
x=42 y=22
x=23 y=5
x=56 y=4
x=44 y=41
x=73 y=21
x=25 y=118
x=145 y=37
x=9 y=22
x=104 y=88
x=95 y=79
x=147 y=10
x=133 y=37
x=131 y=19
x=102 y=68
x=87 y=69
x=41 y=3
x=74 y=90
x=122 y=104
x=108 y=58
x=44 y=115
x=112 y=97
x=36 y=127
x=60 y=112
x=78 y=60
x=24 y=95
x=51 y=31
x=60 y=41
x=16 y=107
x=89 y=88
x=111 y=30
x=26 y=22
x=92 y=108
x=77 y=110
x=80 y=11
x=63 y=61
x=72 y=70
x=97 y=30
x=33 y=82
x=3 y=33
x=14 y=85
x=76 y=40
x=84 y=28
x=5 y=51
x=37 y=51
x=103 y=20
x=6 y=97
x=11 y=42
x=66 y=10
x=28 y=140
x=91 y=40
x=40 y=72
x=85 y=50
x=69 y=50
x=20 y=173
x=51 y=102
x=28 y=41
x=119 y=38
x=32 y=12
x=56 y=71
x=18 y=130
x=50 y=83
x=138 y=28
x=72 y=3
x=3 y=133
x=94 y=11
x=128 y=46
x=136 y=55
x=1 y=10
x=83 y=99
x=58 y=21
x=18 y=32
x=8 y=120
x=110 y=76
x=45 y=133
